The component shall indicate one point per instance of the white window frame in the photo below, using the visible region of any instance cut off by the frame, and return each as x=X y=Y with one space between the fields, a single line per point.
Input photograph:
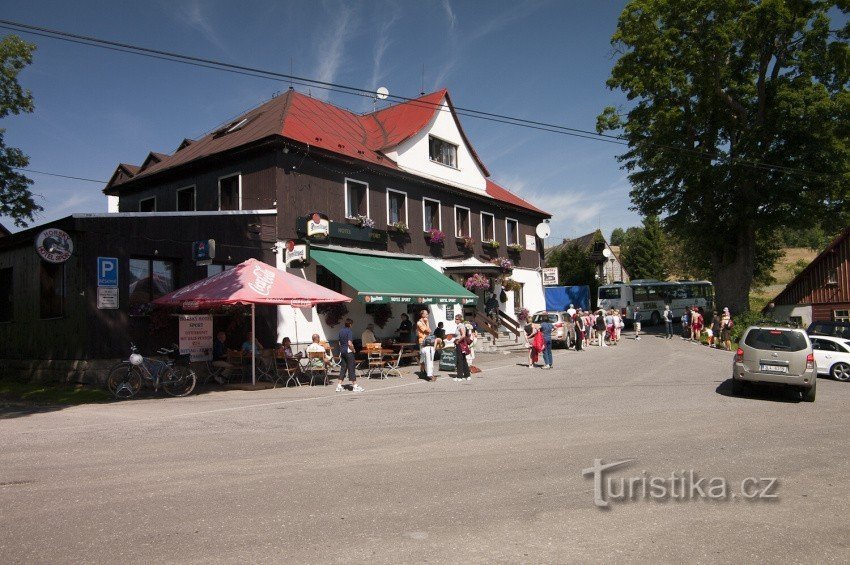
x=468 y=220
x=239 y=174
x=194 y=198
x=145 y=200
x=507 y=238
x=439 y=213
x=348 y=213
x=456 y=166
x=483 y=235
x=406 y=217
x=844 y=318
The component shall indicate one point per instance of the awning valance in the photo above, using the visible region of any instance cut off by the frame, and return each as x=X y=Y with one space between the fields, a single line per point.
x=380 y=280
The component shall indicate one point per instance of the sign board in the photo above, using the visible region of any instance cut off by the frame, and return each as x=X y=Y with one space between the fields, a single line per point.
x=343 y=230
x=196 y=337
x=54 y=245
x=389 y=299
x=318 y=226
x=298 y=303
x=203 y=251
x=107 y=272
x=550 y=276
x=530 y=242
x=107 y=298
x=296 y=253
x=448 y=359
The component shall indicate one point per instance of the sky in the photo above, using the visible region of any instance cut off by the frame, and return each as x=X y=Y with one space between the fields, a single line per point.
x=539 y=60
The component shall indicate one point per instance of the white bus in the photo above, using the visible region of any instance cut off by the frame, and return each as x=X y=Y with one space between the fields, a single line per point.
x=651 y=295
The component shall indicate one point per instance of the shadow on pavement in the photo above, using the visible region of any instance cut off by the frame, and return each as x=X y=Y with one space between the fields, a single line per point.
x=772 y=393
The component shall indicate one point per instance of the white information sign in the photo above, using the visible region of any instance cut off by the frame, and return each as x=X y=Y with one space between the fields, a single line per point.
x=530 y=242
x=107 y=298
x=550 y=276
x=196 y=337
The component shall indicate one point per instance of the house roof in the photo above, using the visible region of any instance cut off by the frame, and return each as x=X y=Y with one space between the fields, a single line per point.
x=835 y=243
x=584 y=242
x=318 y=124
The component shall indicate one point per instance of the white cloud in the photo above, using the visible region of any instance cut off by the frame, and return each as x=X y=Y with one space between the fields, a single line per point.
x=382 y=43
x=193 y=15
x=450 y=14
x=331 y=47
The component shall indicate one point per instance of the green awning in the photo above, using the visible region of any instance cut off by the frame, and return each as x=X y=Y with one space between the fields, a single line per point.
x=380 y=280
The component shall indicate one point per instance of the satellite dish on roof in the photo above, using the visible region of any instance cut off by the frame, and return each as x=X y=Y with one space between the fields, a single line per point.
x=606 y=252
x=543 y=230
x=382 y=93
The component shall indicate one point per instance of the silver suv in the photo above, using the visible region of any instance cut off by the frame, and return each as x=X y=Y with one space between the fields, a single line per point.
x=776 y=355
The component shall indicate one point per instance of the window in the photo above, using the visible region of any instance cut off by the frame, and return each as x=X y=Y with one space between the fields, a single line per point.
x=230 y=192
x=518 y=298
x=609 y=293
x=776 y=340
x=215 y=269
x=832 y=277
x=431 y=217
x=6 y=294
x=52 y=278
x=186 y=199
x=841 y=315
x=396 y=206
x=442 y=152
x=488 y=227
x=149 y=279
x=824 y=345
x=356 y=198
x=327 y=279
x=147 y=204
x=462 y=221
x=511 y=231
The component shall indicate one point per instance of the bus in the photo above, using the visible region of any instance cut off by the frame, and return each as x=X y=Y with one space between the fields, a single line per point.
x=652 y=295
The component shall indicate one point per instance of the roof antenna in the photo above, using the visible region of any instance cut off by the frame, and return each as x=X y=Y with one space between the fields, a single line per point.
x=422 y=88
x=380 y=94
x=290 y=74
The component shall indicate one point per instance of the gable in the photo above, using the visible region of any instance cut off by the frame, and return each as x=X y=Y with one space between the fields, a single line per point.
x=412 y=154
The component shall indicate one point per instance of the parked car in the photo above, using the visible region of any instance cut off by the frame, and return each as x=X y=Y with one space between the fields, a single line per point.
x=834 y=329
x=832 y=356
x=557 y=319
x=775 y=355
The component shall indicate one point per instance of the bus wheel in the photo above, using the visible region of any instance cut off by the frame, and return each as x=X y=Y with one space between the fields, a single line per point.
x=656 y=318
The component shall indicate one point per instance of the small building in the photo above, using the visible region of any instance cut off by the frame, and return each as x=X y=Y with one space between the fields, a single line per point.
x=609 y=269
x=821 y=292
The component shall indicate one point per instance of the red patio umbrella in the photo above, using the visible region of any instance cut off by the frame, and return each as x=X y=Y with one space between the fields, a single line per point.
x=252 y=282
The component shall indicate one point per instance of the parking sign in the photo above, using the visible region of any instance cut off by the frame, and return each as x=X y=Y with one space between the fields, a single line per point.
x=107 y=272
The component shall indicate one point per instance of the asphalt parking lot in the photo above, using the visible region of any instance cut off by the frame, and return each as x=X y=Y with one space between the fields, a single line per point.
x=409 y=471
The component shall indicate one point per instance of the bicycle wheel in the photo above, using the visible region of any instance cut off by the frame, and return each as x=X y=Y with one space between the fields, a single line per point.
x=124 y=381
x=181 y=382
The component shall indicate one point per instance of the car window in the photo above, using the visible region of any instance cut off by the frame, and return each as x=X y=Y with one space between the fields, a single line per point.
x=539 y=318
x=776 y=340
x=823 y=345
x=843 y=347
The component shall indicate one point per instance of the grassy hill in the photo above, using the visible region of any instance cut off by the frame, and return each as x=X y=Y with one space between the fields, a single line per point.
x=792 y=262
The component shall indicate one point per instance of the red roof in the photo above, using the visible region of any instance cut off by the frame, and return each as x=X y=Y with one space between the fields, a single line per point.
x=322 y=125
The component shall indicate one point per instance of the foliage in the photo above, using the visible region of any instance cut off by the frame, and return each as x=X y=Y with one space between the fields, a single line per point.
x=643 y=254
x=723 y=100
x=334 y=312
x=381 y=313
x=435 y=236
x=617 y=236
x=509 y=285
x=811 y=237
x=503 y=263
x=743 y=321
x=466 y=242
x=477 y=282
x=362 y=221
x=515 y=248
x=574 y=267
x=797 y=267
x=398 y=227
x=491 y=244
x=16 y=199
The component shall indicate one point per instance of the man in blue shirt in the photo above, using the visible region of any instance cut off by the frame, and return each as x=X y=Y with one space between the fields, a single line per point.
x=546 y=328
x=346 y=358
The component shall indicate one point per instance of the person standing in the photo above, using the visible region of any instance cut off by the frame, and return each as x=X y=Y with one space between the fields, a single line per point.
x=578 y=324
x=346 y=356
x=686 y=323
x=667 y=316
x=404 y=328
x=638 y=319
x=600 y=328
x=726 y=325
x=530 y=334
x=462 y=344
x=546 y=329
x=423 y=330
x=618 y=326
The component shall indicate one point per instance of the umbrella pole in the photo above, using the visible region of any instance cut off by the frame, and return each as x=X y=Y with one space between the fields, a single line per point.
x=253 y=346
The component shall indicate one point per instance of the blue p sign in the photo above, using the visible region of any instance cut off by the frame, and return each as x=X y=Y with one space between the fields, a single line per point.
x=107 y=271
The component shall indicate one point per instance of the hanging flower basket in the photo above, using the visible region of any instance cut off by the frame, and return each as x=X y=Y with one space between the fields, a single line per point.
x=510 y=285
x=381 y=313
x=477 y=282
x=515 y=248
x=435 y=237
x=362 y=221
x=491 y=244
x=334 y=312
x=523 y=315
x=397 y=227
x=503 y=263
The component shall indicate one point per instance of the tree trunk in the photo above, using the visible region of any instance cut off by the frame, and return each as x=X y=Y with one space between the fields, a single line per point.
x=733 y=279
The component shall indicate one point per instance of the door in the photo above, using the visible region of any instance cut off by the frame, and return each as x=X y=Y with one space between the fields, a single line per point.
x=824 y=351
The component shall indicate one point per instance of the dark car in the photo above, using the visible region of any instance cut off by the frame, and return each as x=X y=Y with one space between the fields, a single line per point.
x=830 y=328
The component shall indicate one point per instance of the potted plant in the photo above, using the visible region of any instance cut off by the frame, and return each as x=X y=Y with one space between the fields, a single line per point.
x=397 y=227
x=466 y=242
x=334 y=312
x=522 y=315
x=477 y=282
x=490 y=244
x=503 y=263
x=381 y=313
x=515 y=248
x=435 y=236
x=362 y=221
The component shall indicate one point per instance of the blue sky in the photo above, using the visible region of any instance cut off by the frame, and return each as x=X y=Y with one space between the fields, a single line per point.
x=545 y=61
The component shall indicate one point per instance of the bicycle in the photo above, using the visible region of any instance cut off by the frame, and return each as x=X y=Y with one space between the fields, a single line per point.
x=127 y=377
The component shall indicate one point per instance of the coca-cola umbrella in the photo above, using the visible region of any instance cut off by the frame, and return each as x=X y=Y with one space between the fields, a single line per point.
x=252 y=282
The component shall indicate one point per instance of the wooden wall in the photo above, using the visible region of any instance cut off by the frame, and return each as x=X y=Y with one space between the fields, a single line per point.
x=811 y=287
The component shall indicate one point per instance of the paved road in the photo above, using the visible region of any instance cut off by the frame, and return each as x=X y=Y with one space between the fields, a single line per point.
x=486 y=470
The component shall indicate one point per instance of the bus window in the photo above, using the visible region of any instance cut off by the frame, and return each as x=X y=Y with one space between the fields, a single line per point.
x=609 y=293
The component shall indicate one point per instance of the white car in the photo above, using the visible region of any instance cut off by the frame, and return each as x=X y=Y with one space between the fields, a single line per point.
x=832 y=356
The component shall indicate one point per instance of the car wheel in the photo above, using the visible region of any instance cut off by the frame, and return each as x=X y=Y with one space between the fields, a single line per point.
x=841 y=372
x=809 y=393
x=655 y=319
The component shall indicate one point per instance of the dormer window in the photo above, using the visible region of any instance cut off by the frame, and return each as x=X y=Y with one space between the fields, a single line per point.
x=443 y=152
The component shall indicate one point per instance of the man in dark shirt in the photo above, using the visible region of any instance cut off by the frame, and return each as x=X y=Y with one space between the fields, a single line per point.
x=346 y=358
x=220 y=358
x=404 y=329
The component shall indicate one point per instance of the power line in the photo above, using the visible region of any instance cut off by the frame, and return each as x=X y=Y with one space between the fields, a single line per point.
x=58 y=175
x=352 y=90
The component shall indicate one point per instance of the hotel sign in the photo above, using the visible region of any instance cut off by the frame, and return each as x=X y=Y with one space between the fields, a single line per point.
x=338 y=230
x=390 y=299
x=318 y=226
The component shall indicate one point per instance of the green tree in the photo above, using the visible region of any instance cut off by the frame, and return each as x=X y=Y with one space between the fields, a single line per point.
x=737 y=124
x=643 y=253
x=575 y=267
x=617 y=236
x=16 y=199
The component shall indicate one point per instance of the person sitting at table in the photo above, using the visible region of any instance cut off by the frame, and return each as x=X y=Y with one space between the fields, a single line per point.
x=251 y=345
x=368 y=335
x=440 y=332
x=318 y=347
x=220 y=358
x=403 y=331
x=286 y=348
